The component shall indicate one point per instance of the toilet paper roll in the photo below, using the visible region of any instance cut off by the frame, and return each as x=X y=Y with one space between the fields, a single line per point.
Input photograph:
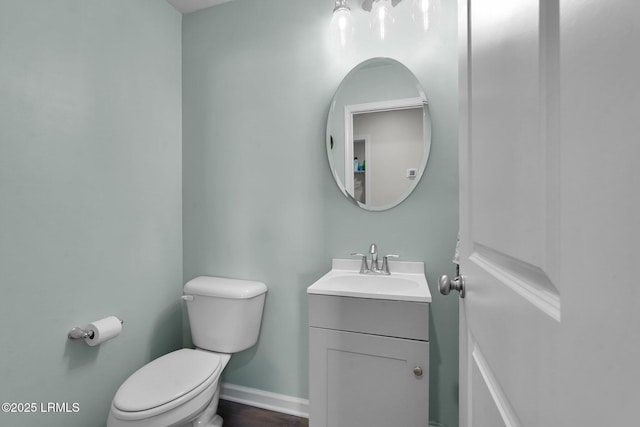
x=103 y=330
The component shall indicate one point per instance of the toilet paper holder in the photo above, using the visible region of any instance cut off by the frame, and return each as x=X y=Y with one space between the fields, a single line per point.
x=77 y=333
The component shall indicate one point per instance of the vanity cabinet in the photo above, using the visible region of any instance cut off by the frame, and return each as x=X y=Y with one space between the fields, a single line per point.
x=369 y=362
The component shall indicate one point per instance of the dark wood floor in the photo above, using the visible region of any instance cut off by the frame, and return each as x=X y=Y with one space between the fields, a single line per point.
x=237 y=415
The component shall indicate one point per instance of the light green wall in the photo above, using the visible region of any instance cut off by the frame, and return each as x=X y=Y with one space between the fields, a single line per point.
x=90 y=197
x=259 y=199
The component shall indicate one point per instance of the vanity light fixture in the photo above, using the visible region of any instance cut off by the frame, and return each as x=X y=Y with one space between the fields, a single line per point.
x=381 y=17
x=341 y=25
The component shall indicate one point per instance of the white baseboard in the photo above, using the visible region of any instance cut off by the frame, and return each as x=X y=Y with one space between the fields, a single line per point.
x=265 y=400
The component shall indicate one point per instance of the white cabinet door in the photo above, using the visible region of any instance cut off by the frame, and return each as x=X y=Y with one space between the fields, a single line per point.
x=361 y=380
x=549 y=212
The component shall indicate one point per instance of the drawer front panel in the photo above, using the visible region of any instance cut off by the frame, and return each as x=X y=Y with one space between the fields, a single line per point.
x=402 y=319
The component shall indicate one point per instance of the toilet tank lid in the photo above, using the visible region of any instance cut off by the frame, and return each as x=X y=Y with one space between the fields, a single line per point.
x=224 y=288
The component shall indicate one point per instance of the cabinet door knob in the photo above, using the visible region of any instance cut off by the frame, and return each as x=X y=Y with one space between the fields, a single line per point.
x=417 y=371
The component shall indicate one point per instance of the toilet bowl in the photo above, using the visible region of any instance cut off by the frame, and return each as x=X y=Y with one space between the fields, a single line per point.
x=182 y=388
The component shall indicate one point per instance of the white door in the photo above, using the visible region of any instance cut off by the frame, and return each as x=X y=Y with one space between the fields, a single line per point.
x=550 y=212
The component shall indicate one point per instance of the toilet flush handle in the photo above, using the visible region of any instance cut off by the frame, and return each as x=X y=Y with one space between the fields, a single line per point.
x=187 y=297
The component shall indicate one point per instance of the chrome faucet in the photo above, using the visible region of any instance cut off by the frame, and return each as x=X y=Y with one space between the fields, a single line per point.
x=375 y=265
x=373 y=250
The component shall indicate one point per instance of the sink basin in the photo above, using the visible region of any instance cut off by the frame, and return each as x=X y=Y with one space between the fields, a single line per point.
x=406 y=282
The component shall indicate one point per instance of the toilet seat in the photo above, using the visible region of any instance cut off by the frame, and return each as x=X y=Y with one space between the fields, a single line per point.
x=166 y=383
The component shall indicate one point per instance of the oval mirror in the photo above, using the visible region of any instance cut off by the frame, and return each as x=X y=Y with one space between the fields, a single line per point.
x=378 y=134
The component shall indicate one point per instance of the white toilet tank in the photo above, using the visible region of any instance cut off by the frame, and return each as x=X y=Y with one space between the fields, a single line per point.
x=224 y=314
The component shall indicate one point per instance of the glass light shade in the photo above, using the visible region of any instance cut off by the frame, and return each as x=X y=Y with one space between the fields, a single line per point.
x=381 y=18
x=421 y=13
x=341 y=26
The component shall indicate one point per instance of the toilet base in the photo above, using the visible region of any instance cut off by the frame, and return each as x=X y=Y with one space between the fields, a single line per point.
x=208 y=417
x=216 y=421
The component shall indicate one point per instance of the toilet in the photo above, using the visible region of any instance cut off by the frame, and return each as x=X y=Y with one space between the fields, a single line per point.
x=182 y=388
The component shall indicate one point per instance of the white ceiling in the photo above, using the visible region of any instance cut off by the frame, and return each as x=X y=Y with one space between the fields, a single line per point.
x=188 y=6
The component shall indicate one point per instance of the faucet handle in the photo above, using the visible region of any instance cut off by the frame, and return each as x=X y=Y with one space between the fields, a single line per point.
x=364 y=266
x=385 y=263
x=373 y=249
